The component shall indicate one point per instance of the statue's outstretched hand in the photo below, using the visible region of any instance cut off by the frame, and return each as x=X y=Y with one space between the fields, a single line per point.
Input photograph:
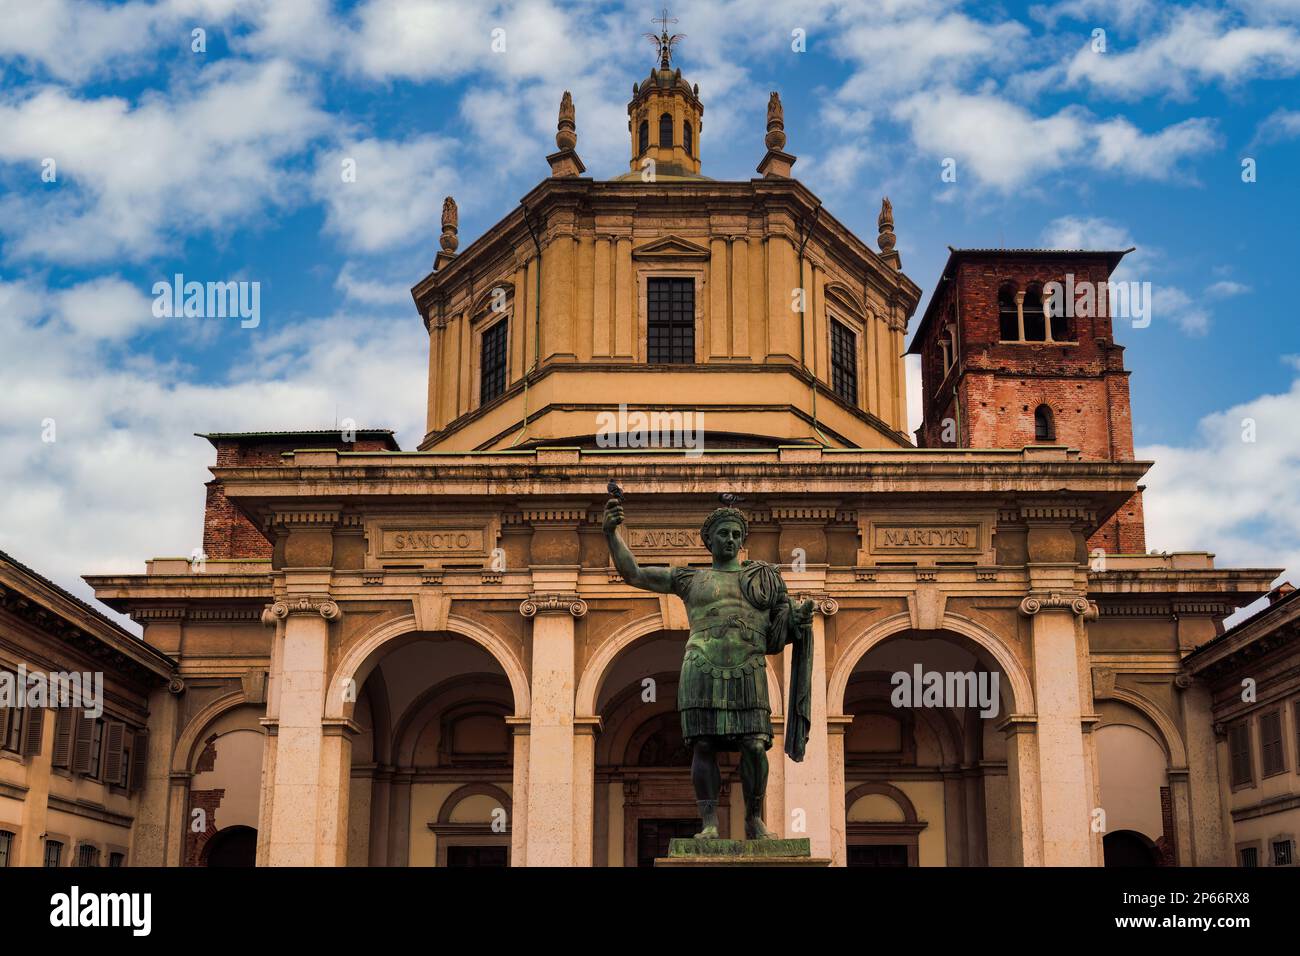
x=613 y=515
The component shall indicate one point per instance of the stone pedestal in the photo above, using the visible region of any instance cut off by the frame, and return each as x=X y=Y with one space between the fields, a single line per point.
x=690 y=852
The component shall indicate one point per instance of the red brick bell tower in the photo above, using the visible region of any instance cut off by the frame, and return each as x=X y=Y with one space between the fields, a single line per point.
x=998 y=370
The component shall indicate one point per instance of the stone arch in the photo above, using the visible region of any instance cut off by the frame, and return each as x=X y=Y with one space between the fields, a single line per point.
x=362 y=657
x=885 y=790
x=1022 y=693
x=453 y=692
x=459 y=795
x=1173 y=740
x=593 y=674
x=184 y=753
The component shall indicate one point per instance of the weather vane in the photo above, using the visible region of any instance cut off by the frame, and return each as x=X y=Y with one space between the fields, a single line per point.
x=662 y=40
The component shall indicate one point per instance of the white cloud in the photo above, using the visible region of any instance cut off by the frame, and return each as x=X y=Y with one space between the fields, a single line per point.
x=133 y=177
x=105 y=308
x=1197 y=47
x=1239 y=498
x=396 y=196
x=1004 y=145
x=123 y=480
x=1226 y=289
x=1170 y=303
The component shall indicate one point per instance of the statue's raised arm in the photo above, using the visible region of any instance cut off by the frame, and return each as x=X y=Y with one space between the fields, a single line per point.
x=658 y=580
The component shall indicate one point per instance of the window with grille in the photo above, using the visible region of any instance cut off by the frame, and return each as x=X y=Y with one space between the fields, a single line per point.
x=87 y=855
x=844 y=362
x=53 y=853
x=1239 y=748
x=1248 y=856
x=670 y=321
x=6 y=845
x=116 y=859
x=1282 y=853
x=1272 y=757
x=492 y=381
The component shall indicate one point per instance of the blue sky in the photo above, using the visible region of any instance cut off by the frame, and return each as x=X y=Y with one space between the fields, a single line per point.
x=225 y=164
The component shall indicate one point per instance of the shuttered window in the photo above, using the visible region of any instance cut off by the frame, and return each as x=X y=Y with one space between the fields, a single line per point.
x=1239 y=748
x=65 y=721
x=35 y=727
x=83 y=739
x=670 y=321
x=1272 y=756
x=114 y=744
x=53 y=853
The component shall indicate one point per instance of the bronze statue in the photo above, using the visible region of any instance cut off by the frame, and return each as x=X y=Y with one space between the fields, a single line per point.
x=739 y=612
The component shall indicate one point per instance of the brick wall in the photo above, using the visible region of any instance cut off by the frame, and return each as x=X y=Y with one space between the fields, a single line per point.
x=990 y=394
x=226 y=532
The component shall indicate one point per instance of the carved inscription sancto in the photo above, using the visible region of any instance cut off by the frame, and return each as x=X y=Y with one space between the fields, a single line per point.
x=433 y=541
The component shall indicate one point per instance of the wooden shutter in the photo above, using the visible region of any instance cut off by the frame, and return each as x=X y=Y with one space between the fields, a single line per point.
x=6 y=716
x=31 y=742
x=135 y=773
x=64 y=725
x=1239 y=746
x=1270 y=742
x=82 y=739
x=114 y=739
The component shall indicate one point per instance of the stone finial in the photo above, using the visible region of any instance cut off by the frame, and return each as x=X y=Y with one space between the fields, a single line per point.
x=775 y=122
x=886 y=239
x=777 y=163
x=565 y=162
x=450 y=223
x=566 y=131
x=448 y=242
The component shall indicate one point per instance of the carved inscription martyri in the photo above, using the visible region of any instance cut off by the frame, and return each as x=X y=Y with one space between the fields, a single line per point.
x=922 y=537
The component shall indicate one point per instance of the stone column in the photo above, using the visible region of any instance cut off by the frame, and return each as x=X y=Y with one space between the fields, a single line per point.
x=1207 y=836
x=381 y=789
x=808 y=784
x=552 y=755
x=837 y=725
x=309 y=805
x=519 y=791
x=149 y=835
x=399 y=818
x=584 y=783
x=1065 y=779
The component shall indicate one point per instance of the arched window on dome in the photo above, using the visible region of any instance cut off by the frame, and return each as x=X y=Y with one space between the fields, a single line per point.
x=666 y=129
x=1044 y=425
x=688 y=138
x=643 y=137
x=1008 y=314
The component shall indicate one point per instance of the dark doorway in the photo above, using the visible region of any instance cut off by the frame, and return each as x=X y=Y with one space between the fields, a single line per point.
x=233 y=846
x=878 y=854
x=1129 y=848
x=653 y=836
x=478 y=856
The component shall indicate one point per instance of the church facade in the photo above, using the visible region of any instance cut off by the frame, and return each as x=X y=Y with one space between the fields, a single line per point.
x=427 y=657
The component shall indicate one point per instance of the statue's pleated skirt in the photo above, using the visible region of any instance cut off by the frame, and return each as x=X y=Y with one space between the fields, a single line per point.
x=724 y=702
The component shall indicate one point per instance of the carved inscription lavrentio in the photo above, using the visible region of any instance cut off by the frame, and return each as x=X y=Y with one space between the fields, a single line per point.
x=657 y=538
x=926 y=537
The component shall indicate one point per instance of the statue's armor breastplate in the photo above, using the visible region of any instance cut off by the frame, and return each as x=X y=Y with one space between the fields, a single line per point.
x=725 y=628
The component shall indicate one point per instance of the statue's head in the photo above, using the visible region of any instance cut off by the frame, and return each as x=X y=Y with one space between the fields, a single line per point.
x=724 y=532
